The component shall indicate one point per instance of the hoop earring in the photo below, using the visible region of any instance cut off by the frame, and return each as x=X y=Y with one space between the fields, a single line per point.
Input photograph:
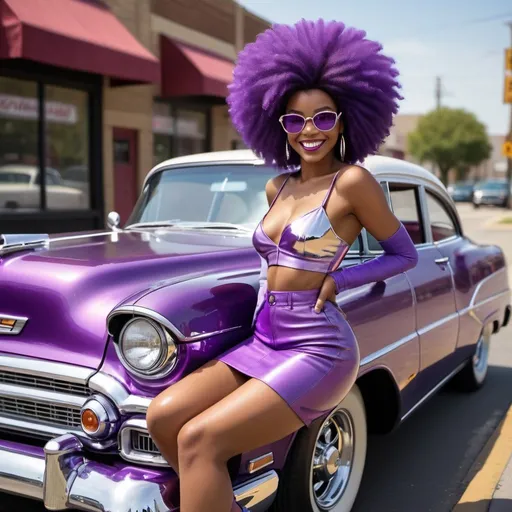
x=342 y=148
x=287 y=151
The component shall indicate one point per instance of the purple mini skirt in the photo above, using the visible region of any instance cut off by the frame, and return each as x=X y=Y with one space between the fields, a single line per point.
x=310 y=359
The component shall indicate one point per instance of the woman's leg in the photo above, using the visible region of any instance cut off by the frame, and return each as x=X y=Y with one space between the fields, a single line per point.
x=251 y=416
x=179 y=403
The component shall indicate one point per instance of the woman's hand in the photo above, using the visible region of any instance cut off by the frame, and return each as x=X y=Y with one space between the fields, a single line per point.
x=327 y=292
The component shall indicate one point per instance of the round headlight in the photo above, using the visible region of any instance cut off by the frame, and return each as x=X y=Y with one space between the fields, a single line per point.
x=145 y=347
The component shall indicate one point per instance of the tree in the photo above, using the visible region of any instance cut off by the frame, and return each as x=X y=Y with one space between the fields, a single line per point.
x=452 y=139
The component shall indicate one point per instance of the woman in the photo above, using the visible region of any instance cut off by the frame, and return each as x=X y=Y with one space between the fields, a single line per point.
x=321 y=97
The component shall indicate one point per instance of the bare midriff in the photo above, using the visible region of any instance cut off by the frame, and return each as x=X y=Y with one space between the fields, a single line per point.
x=291 y=279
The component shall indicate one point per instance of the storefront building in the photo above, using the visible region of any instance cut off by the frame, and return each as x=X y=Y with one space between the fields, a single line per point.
x=100 y=107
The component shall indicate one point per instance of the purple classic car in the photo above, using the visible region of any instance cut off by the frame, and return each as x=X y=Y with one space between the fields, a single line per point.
x=93 y=325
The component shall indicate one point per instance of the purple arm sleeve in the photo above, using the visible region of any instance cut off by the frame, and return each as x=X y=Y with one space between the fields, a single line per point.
x=399 y=255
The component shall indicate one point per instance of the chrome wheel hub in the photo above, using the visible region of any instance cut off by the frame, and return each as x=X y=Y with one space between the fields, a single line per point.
x=481 y=357
x=332 y=460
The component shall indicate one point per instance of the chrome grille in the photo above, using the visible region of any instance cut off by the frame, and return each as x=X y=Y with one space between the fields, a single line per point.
x=142 y=442
x=63 y=416
x=47 y=383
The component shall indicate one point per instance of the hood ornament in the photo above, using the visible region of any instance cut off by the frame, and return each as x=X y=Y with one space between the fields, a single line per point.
x=15 y=243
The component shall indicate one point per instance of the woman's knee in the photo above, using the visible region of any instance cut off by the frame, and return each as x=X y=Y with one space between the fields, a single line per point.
x=163 y=417
x=199 y=439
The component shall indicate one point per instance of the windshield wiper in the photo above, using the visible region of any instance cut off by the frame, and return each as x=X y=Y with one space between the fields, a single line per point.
x=154 y=224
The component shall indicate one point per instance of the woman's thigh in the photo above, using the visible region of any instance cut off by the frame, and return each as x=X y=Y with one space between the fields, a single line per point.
x=199 y=390
x=251 y=416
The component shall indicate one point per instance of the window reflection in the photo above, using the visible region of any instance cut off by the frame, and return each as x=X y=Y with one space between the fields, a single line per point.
x=19 y=190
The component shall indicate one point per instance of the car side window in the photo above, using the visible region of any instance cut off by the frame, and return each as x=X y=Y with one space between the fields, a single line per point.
x=441 y=222
x=404 y=202
x=406 y=207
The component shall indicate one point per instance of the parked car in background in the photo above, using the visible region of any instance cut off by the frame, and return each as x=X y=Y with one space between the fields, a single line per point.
x=77 y=176
x=94 y=325
x=461 y=191
x=491 y=192
x=20 y=189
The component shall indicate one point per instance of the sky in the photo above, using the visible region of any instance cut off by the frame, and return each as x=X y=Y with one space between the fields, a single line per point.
x=462 y=42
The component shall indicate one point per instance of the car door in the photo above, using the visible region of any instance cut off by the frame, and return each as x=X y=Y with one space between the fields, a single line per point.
x=382 y=316
x=432 y=283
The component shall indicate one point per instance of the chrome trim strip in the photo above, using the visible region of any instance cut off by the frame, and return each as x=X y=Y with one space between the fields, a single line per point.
x=41 y=395
x=113 y=389
x=261 y=462
x=438 y=323
x=21 y=242
x=434 y=389
x=140 y=310
x=259 y=493
x=484 y=281
x=36 y=429
x=42 y=368
x=20 y=322
x=125 y=444
x=470 y=309
x=78 y=237
x=388 y=348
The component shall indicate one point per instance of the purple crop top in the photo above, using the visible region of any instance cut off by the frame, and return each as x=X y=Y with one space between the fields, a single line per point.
x=307 y=243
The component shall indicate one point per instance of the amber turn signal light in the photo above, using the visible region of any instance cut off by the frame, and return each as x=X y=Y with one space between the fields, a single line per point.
x=90 y=421
x=7 y=322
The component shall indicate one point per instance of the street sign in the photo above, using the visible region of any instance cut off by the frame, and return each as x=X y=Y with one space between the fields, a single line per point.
x=508 y=59
x=507 y=96
x=506 y=149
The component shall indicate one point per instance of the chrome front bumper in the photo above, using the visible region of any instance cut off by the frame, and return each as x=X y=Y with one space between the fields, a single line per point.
x=61 y=477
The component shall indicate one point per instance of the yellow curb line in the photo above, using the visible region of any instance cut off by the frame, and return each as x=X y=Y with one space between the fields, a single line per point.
x=493 y=459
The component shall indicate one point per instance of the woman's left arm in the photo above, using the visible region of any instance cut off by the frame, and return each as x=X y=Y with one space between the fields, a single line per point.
x=368 y=203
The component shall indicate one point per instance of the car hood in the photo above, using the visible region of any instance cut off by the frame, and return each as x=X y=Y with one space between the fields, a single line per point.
x=67 y=289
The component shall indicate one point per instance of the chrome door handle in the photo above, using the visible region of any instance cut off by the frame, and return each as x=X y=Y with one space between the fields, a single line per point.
x=440 y=261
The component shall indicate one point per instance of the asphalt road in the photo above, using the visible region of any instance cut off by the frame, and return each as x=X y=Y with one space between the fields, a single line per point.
x=423 y=466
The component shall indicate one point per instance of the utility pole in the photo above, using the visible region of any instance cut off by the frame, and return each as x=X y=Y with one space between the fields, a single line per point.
x=438 y=92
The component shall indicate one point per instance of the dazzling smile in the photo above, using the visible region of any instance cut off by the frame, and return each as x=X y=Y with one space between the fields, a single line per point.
x=312 y=145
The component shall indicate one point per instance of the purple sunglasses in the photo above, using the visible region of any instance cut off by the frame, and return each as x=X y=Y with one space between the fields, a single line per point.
x=323 y=121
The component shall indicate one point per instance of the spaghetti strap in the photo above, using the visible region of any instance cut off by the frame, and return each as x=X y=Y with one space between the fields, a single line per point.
x=330 y=190
x=279 y=191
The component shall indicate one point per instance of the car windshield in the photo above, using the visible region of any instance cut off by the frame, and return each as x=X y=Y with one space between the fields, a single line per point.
x=209 y=195
x=14 y=177
x=493 y=186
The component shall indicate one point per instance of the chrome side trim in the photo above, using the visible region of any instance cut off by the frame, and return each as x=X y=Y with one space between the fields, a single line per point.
x=142 y=311
x=20 y=364
x=434 y=389
x=482 y=283
x=388 y=348
x=78 y=237
x=113 y=389
x=438 y=323
x=259 y=493
x=41 y=395
x=125 y=444
x=20 y=322
x=471 y=308
x=15 y=243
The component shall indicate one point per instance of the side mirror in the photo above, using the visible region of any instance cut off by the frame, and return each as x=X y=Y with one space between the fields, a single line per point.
x=113 y=221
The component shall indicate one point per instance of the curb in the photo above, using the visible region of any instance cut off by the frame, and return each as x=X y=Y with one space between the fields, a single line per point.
x=488 y=469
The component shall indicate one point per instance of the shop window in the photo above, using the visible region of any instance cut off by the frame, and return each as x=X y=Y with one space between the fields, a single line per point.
x=19 y=163
x=177 y=131
x=67 y=149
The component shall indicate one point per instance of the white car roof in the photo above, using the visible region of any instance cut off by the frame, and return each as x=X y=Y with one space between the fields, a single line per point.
x=376 y=164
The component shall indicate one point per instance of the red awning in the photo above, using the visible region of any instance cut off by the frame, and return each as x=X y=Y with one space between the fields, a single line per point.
x=188 y=71
x=82 y=35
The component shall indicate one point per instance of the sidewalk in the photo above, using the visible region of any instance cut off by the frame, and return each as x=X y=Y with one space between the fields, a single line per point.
x=490 y=488
x=502 y=498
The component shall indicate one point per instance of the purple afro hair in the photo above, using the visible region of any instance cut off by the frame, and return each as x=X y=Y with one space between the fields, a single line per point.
x=313 y=55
